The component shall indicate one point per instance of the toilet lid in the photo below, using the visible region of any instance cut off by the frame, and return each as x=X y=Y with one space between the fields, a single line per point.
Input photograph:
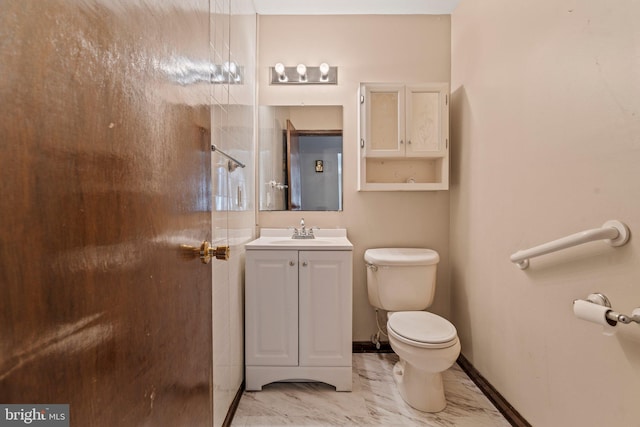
x=401 y=256
x=422 y=326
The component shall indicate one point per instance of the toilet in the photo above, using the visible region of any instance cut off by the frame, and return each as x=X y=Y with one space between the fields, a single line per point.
x=402 y=281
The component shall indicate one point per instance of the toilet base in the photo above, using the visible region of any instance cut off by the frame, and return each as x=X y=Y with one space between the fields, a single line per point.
x=422 y=390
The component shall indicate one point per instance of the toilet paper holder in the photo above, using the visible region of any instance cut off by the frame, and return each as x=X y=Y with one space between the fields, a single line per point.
x=612 y=316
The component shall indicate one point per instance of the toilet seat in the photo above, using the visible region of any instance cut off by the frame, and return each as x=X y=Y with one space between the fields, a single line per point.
x=422 y=329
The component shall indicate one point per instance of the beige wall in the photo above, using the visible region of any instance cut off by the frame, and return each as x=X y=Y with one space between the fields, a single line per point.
x=546 y=142
x=366 y=49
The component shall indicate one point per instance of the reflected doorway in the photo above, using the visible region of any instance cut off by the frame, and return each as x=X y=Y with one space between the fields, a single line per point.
x=314 y=169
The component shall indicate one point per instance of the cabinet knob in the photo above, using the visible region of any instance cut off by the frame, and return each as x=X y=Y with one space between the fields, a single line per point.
x=408 y=141
x=401 y=141
x=292 y=263
x=304 y=263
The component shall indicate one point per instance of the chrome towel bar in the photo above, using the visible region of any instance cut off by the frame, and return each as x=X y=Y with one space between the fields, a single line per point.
x=231 y=166
x=615 y=232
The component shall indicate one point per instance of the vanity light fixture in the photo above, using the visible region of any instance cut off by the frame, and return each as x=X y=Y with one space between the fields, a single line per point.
x=302 y=74
x=185 y=71
x=227 y=73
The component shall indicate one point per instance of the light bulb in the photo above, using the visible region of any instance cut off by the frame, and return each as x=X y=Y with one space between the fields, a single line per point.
x=302 y=71
x=324 y=69
x=279 y=69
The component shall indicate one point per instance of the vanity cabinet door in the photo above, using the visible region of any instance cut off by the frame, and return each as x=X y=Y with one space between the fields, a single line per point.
x=325 y=308
x=271 y=308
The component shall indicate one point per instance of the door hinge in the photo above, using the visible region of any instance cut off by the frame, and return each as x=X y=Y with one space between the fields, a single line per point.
x=361 y=99
x=446 y=100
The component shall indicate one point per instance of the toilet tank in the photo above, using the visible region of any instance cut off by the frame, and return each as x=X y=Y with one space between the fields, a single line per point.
x=401 y=279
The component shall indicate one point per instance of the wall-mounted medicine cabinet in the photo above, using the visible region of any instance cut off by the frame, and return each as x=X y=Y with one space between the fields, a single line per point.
x=404 y=137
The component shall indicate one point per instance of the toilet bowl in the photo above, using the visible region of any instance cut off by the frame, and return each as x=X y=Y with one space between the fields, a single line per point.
x=427 y=345
x=402 y=281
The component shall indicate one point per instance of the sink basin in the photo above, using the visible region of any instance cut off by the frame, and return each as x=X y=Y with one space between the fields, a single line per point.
x=305 y=242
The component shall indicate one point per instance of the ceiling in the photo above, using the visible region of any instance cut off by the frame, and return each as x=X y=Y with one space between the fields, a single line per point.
x=355 y=7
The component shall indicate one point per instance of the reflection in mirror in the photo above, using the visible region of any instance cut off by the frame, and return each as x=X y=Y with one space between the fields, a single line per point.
x=300 y=158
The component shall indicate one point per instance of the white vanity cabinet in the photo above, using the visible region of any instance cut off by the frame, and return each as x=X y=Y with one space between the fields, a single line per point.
x=404 y=137
x=298 y=308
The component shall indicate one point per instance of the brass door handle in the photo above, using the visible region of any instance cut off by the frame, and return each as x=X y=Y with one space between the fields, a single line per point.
x=207 y=252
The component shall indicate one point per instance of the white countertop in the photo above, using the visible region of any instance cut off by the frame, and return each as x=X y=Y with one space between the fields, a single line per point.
x=330 y=239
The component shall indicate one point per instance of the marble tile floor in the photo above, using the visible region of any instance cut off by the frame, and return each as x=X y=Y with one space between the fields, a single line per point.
x=374 y=401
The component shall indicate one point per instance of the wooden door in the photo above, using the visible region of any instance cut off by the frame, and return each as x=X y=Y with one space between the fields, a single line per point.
x=104 y=173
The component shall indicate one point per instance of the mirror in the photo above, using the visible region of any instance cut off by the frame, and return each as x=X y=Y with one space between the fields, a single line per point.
x=300 y=158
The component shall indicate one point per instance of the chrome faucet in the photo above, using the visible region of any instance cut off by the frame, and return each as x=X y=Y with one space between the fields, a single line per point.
x=303 y=232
